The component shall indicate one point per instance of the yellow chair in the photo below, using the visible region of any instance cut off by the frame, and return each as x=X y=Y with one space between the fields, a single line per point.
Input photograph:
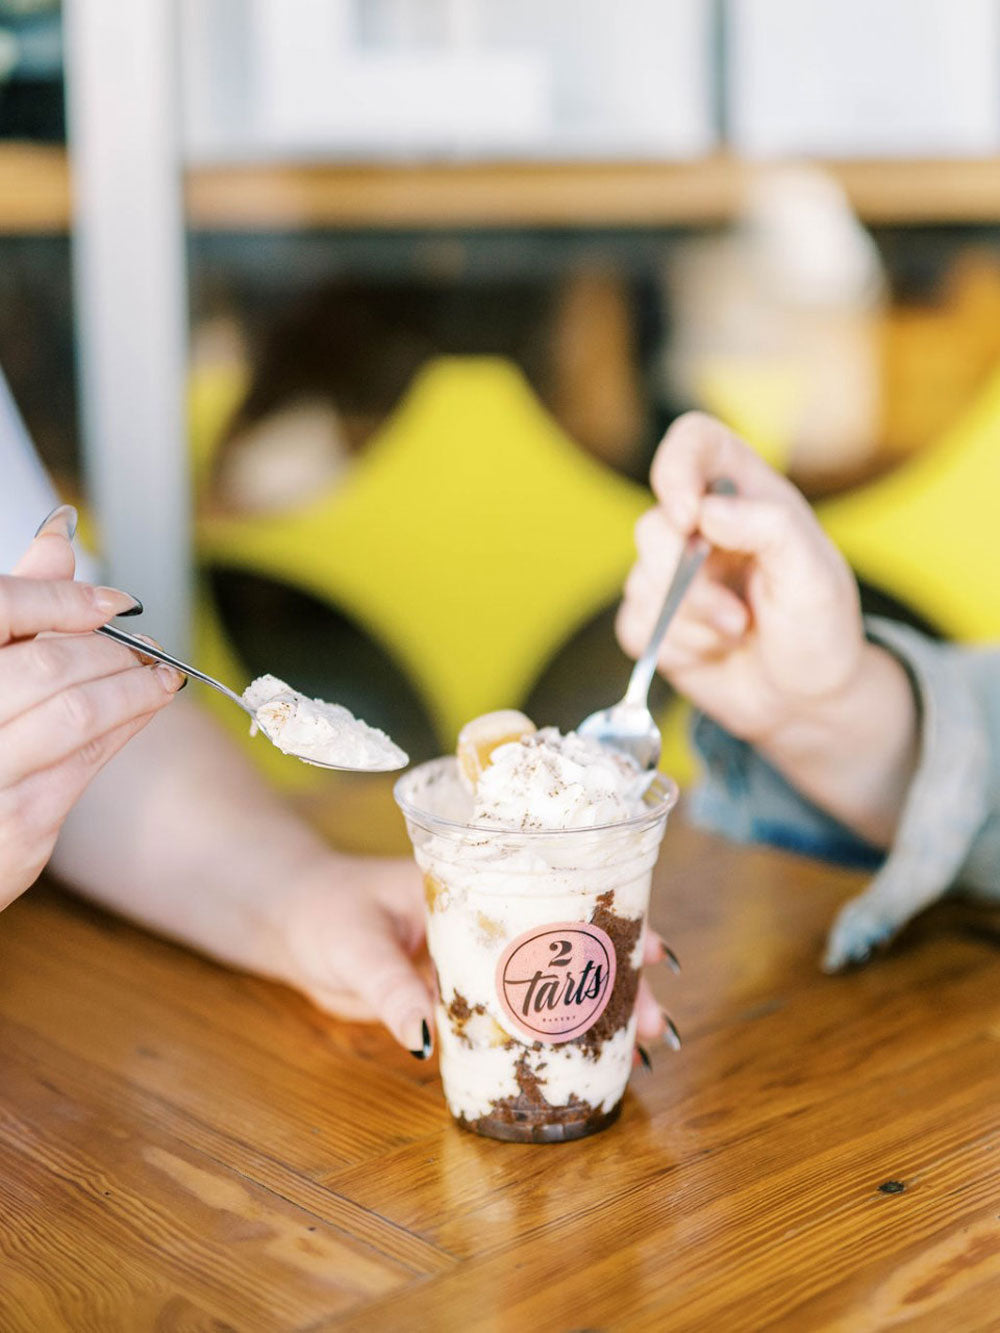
x=758 y=399
x=927 y=533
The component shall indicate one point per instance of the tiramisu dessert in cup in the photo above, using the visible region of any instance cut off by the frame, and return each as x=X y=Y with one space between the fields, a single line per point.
x=536 y=850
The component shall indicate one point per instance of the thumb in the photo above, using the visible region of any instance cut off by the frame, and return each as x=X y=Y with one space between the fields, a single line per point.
x=50 y=555
x=374 y=965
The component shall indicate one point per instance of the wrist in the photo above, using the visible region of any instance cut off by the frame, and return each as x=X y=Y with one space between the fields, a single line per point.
x=824 y=723
x=854 y=751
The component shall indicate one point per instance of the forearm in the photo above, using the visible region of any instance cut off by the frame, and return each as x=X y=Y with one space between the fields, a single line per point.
x=856 y=755
x=180 y=833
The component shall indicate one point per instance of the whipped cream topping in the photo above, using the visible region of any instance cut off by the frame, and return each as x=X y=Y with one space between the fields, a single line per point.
x=551 y=781
x=317 y=731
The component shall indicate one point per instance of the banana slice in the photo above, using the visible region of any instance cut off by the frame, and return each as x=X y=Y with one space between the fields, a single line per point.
x=479 y=738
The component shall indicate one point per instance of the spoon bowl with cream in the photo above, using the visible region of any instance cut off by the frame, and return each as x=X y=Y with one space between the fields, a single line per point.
x=320 y=733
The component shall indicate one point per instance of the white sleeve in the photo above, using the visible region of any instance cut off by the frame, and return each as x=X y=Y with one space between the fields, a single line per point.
x=26 y=493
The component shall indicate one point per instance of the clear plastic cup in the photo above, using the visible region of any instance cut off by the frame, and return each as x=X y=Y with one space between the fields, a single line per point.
x=536 y=938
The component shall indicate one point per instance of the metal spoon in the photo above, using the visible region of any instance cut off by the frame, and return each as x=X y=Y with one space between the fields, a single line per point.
x=161 y=655
x=628 y=725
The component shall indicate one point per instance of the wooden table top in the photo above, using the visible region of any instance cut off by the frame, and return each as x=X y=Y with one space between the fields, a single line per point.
x=182 y=1148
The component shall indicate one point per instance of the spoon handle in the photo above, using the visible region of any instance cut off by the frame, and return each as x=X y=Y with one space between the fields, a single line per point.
x=696 y=548
x=161 y=654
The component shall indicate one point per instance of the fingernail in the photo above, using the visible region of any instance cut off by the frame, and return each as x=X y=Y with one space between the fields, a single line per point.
x=169 y=677
x=114 y=602
x=62 y=520
x=672 y=1037
x=669 y=956
x=647 y=1063
x=144 y=658
x=423 y=1052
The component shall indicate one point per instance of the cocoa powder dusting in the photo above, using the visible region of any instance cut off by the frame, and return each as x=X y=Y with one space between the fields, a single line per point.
x=529 y=1118
x=459 y=1010
x=530 y=1106
x=624 y=933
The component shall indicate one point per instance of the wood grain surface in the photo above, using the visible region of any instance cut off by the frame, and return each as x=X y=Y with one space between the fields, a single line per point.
x=183 y=1148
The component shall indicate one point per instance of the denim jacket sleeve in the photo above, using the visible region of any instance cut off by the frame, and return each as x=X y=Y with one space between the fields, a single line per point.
x=949 y=830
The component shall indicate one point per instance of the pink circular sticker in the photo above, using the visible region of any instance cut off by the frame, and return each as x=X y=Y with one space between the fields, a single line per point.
x=554 y=982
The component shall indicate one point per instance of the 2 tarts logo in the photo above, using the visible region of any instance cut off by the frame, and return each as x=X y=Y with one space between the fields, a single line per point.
x=554 y=982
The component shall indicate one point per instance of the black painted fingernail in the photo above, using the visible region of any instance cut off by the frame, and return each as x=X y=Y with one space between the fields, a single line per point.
x=672 y=1037
x=644 y=1057
x=668 y=954
x=64 y=517
x=183 y=685
x=424 y=1052
x=135 y=610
